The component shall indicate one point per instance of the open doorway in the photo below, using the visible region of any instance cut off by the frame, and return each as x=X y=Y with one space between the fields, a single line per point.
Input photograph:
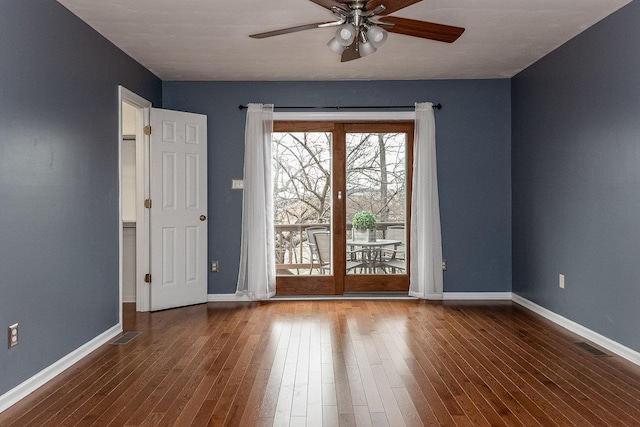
x=128 y=196
x=133 y=148
x=163 y=205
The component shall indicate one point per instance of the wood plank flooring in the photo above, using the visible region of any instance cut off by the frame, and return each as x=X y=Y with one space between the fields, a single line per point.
x=339 y=363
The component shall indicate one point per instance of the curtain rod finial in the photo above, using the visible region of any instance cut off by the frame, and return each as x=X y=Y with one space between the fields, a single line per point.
x=241 y=107
x=438 y=106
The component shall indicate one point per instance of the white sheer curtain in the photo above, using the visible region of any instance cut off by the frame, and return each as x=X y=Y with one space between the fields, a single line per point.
x=425 y=275
x=257 y=274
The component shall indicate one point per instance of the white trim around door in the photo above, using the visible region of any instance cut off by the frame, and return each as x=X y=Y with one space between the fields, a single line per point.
x=142 y=107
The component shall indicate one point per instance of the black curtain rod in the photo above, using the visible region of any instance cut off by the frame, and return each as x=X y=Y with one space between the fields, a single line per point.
x=364 y=107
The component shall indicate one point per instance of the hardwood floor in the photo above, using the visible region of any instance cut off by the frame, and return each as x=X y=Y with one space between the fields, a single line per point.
x=340 y=363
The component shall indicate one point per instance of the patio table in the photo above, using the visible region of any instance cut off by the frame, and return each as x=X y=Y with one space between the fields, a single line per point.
x=372 y=254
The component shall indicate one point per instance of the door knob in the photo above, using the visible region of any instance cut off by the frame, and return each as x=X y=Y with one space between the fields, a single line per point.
x=203 y=217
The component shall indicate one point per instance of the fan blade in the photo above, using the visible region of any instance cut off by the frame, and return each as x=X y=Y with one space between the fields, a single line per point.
x=288 y=30
x=426 y=30
x=327 y=4
x=391 y=5
x=351 y=52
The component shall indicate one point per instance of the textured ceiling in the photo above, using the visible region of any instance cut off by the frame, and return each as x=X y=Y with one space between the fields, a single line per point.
x=208 y=39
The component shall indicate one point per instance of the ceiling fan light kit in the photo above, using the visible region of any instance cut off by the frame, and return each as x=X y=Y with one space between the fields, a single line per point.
x=363 y=26
x=335 y=46
x=376 y=35
x=367 y=49
x=345 y=34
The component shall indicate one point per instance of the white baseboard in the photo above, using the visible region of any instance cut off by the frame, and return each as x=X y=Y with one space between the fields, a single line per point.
x=226 y=298
x=41 y=378
x=476 y=296
x=446 y=296
x=601 y=340
x=428 y=297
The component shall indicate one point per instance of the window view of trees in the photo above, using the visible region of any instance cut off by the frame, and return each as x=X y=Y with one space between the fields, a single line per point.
x=302 y=177
x=302 y=193
x=376 y=175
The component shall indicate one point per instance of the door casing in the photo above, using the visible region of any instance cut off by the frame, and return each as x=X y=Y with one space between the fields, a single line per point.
x=340 y=124
x=142 y=107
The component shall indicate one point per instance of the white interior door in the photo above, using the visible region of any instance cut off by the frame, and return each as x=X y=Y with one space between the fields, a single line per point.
x=178 y=223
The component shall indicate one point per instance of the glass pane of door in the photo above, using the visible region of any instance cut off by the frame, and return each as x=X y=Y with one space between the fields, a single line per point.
x=376 y=191
x=301 y=179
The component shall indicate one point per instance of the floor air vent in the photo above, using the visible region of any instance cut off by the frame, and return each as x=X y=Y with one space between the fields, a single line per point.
x=125 y=338
x=591 y=349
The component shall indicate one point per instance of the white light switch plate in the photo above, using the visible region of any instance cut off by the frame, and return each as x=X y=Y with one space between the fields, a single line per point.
x=237 y=184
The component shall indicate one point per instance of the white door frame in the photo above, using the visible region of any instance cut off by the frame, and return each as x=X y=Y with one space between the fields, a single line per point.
x=143 y=108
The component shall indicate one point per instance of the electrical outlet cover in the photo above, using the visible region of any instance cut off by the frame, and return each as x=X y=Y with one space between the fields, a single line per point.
x=13 y=335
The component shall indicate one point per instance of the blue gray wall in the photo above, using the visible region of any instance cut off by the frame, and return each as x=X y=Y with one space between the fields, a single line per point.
x=58 y=182
x=473 y=143
x=576 y=178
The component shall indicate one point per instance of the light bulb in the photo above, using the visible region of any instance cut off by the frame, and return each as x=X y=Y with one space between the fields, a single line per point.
x=345 y=34
x=367 y=48
x=335 y=46
x=376 y=35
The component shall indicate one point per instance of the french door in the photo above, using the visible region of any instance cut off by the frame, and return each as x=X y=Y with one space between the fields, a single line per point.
x=324 y=175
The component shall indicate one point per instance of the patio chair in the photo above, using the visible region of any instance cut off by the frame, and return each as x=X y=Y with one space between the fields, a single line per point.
x=394 y=258
x=388 y=260
x=313 y=253
x=322 y=240
x=397 y=232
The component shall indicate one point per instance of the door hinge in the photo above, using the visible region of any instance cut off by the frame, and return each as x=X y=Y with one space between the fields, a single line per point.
x=147 y=130
x=147 y=203
x=147 y=278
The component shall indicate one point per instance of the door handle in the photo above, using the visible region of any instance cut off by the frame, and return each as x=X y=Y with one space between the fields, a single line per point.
x=203 y=217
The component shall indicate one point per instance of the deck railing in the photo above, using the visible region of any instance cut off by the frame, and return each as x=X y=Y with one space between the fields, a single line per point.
x=292 y=250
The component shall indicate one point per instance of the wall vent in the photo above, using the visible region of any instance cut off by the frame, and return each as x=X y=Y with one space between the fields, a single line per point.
x=591 y=349
x=125 y=338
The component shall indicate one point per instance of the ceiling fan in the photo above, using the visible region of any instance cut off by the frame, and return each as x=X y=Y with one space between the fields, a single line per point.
x=363 y=25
